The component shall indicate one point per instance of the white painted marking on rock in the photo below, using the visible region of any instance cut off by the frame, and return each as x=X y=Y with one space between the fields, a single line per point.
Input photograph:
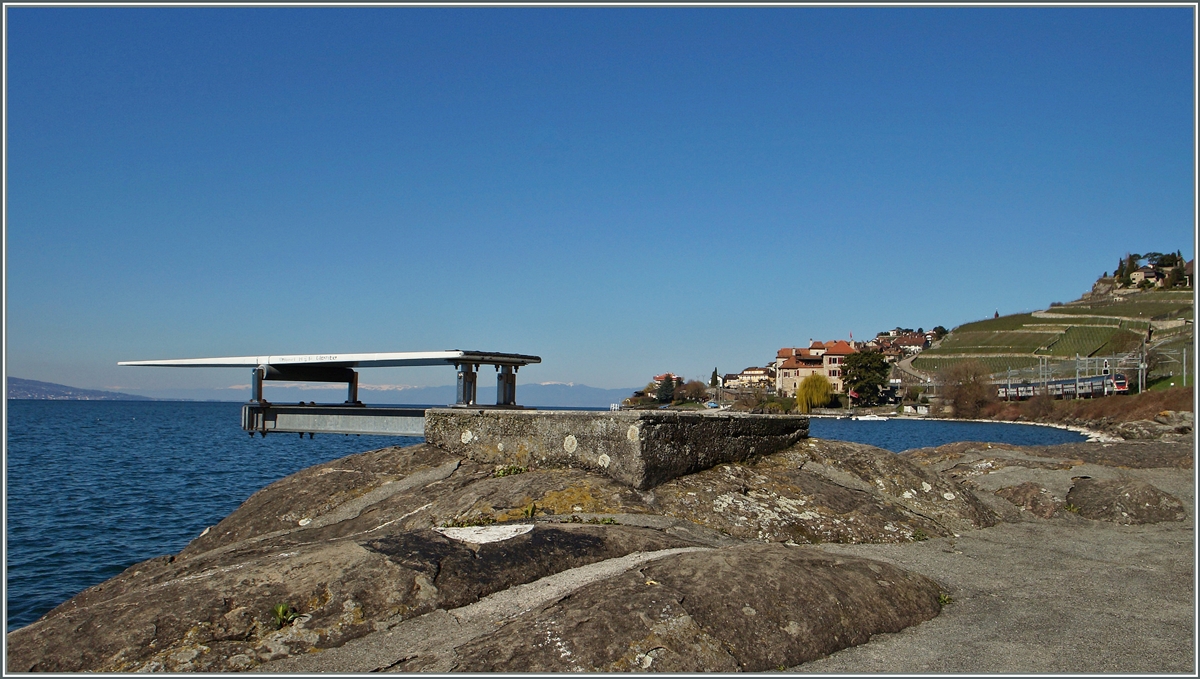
x=570 y=444
x=466 y=436
x=948 y=496
x=926 y=487
x=304 y=522
x=479 y=535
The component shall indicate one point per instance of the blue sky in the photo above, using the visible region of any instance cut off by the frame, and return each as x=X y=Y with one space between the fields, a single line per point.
x=620 y=191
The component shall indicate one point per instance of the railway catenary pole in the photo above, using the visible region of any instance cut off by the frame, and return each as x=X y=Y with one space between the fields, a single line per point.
x=1076 y=376
x=1142 y=369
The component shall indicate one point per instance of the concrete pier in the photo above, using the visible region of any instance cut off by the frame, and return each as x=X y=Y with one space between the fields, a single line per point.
x=638 y=448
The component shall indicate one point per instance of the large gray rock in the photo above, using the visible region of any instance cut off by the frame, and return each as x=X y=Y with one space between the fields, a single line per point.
x=349 y=546
x=1031 y=497
x=1127 y=501
x=1181 y=420
x=213 y=613
x=750 y=608
x=1143 y=429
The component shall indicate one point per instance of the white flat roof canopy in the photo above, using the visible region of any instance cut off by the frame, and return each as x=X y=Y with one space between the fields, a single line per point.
x=378 y=360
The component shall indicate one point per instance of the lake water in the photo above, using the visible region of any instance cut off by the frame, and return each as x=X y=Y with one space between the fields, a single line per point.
x=898 y=435
x=93 y=487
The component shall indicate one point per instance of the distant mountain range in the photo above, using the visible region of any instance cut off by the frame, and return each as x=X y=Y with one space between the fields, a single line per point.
x=48 y=391
x=552 y=395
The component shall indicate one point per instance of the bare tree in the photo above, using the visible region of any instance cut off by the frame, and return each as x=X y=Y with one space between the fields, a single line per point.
x=693 y=391
x=967 y=388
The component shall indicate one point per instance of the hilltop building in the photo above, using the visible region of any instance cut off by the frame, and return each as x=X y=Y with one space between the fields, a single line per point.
x=1148 y=273
x=898 y=343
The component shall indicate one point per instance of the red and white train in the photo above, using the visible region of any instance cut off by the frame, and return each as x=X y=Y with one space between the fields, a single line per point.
x=1097 y=385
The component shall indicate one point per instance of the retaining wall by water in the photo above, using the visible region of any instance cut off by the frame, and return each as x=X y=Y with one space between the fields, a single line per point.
x=639 y=448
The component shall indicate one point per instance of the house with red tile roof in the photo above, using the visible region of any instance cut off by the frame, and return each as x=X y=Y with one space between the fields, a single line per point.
x=793 y=364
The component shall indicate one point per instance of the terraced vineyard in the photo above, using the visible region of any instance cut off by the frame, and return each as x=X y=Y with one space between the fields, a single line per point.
x=1133 y=310
x=1083 y=340
x=990 y=342
x=1093 y=327
x=995 y=364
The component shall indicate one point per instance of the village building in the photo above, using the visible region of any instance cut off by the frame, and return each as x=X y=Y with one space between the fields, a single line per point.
x=1148 y=273
x=752 y=378
x=658 y=379
x=793 y=364
x=911 y=343
x=898 y=343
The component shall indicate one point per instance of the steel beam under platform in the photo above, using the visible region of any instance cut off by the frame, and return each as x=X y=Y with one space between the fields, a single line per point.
x=266 y=418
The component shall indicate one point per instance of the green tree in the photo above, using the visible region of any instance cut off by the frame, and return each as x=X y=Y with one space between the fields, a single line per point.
x=715 y=379
x=1175 y=277
x=939 y=332
x=814 y=392
x=666 y=390
x=967 y=389
x=865 y=373
x=1132 y=262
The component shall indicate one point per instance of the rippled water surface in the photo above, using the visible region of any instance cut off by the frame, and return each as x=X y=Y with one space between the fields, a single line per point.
x=94 y=487
x=898 y=435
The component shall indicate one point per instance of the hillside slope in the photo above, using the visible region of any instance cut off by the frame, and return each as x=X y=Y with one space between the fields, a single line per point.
x=1108 y=323
x=48 y=391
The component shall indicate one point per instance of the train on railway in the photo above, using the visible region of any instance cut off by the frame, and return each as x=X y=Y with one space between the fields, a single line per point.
x=1095 y=385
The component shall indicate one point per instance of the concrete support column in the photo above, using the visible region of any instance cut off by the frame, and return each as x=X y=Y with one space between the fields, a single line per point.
x=465 y=390
x=506 y=386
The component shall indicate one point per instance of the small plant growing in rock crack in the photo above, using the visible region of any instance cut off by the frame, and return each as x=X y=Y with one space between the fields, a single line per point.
x=945 y=599
x=530 y=511
x=1071 y=508
x=919 y=535
x=509 y=470
x=469 y=521
x=607 y=521
x=574 y=519
x=283 y=614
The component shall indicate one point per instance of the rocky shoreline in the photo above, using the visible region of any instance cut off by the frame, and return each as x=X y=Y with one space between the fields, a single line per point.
x=826 y=556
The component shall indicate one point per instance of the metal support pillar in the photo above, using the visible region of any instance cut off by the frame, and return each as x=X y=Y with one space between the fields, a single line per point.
x=466 y=385
x=303 y=374
x=506 y=386
x=256 y=383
